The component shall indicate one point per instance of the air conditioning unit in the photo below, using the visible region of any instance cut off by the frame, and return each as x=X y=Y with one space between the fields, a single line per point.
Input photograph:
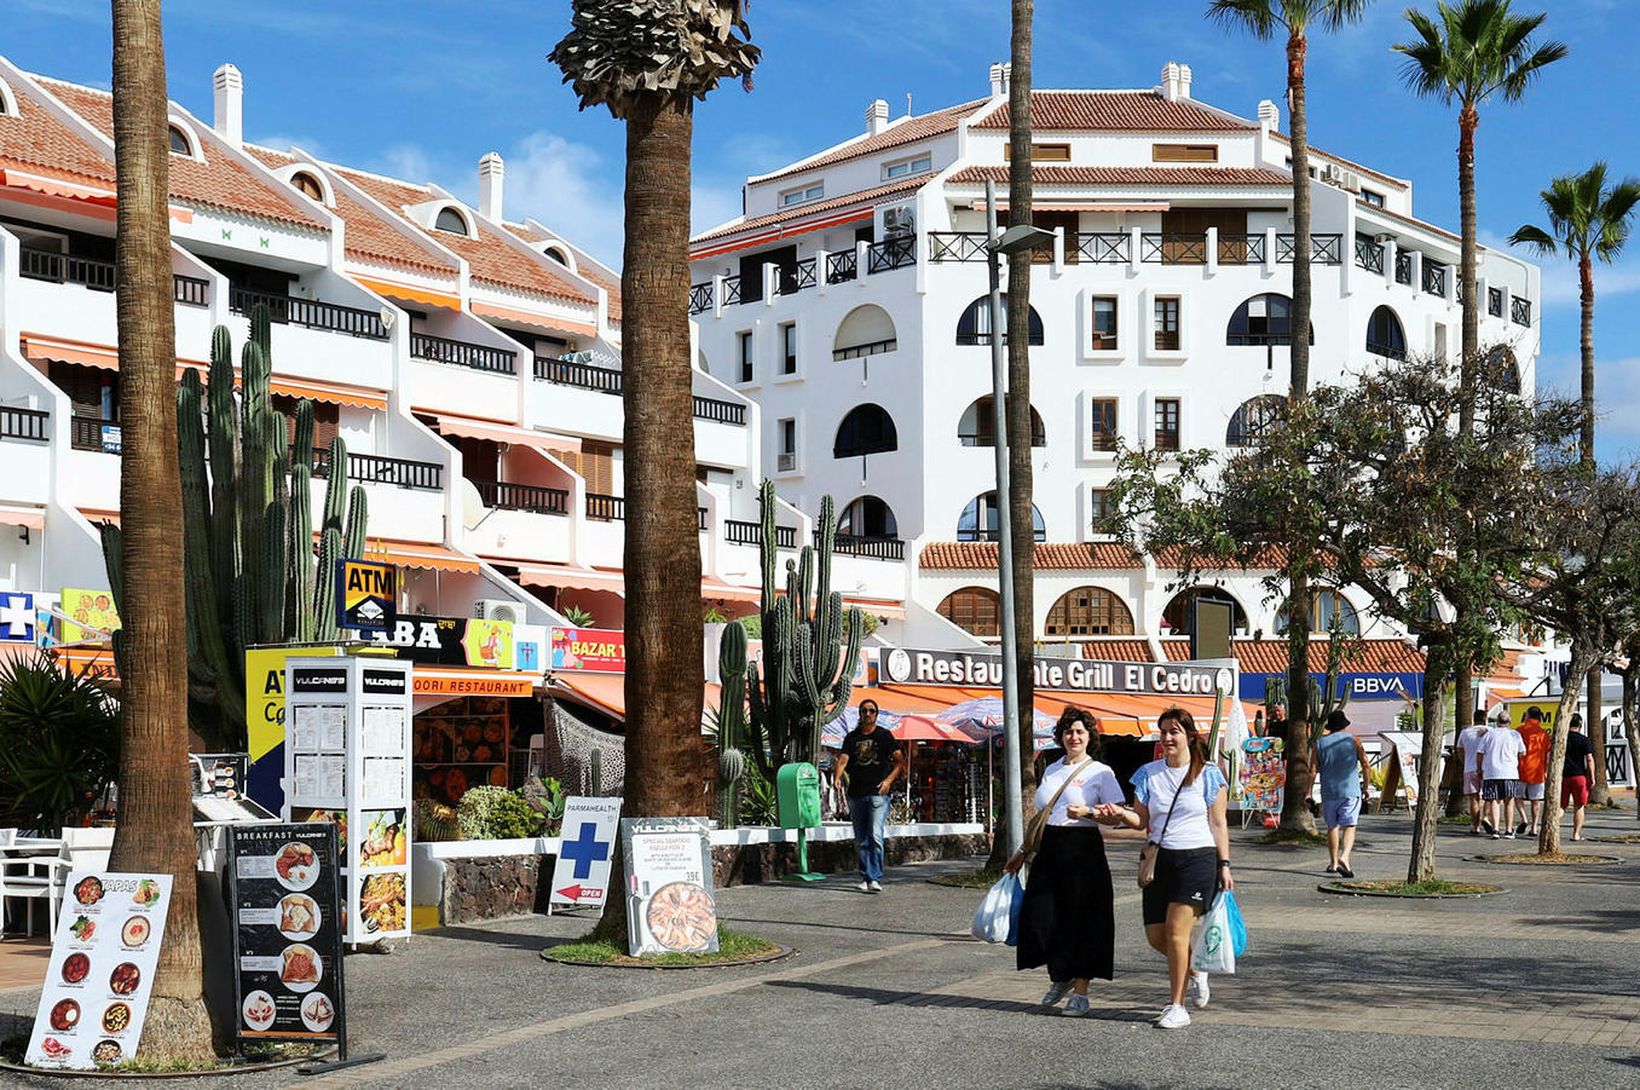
x=1332 y=175
x=899 y=222
x=1352 y=181
x=787 y=462
x=499 y=609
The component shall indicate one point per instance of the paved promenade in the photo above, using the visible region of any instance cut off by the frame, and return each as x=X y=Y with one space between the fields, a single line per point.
x=1540 y=987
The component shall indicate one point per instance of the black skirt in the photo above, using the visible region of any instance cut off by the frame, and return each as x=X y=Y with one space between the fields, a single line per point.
x=1066 y=920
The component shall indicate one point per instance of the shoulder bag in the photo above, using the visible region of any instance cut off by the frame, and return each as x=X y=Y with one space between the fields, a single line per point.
x=1039 y=820
x=1147 y=854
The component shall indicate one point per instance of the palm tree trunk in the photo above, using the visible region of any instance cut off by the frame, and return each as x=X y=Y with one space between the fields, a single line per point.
x=1585 y=278
x=1297 y=47
x=155 y=810
x=1468 y=119
x=1583 y=659
x=666 y=768
x=1421 y=865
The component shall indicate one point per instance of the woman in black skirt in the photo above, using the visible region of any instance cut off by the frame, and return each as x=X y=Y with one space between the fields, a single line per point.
x=1066 y=920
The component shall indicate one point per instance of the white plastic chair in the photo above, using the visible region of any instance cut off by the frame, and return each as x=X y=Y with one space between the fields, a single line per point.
x=43 y=878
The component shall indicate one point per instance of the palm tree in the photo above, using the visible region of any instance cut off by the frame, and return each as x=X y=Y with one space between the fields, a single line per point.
x=156 y=815
x=1263 y=19
x=647 y=63
x=1589 y=220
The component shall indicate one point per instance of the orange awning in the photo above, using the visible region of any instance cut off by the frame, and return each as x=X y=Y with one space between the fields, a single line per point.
x=877 y=607
x=504 y=433
x=101 y=197
x=37 y=346
x=352 y=396
x=606 y=692
x=783 y=231
x=95 y=515
x=565 y=577
x=411 y=554
x=32 y=517
x=1082 y=206
x=540 y=321
x=404 y=293
x=712 y=590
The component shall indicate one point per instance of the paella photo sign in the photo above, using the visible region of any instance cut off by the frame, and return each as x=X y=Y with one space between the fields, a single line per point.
x=670 y=904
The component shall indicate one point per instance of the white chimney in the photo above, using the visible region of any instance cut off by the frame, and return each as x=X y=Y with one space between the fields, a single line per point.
x=999 y=80
x=876 y=117
x=1175 y=81
x=1269 y=116
x=229 y=100
x=491 y=171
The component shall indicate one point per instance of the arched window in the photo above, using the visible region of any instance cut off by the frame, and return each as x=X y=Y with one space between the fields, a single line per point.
x=1501 y=369
x=450 y=220
x=1089 y=611
x=864 y=331
x=1256 y=418
x=979 y=520
x=1325 y=604
x=868 y=516
x=974 y=327
x=308 y=185
x=1264 y=320
x=978 y=426
x=180 y=144
x=978 y=610
x=557 y=255
x=8 y=102
x=1176 y=618
x=867 y=429
x=1385 y=337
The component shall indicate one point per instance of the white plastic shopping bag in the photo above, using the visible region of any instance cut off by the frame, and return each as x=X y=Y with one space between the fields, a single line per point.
x=991 y=921
x=1214 y=949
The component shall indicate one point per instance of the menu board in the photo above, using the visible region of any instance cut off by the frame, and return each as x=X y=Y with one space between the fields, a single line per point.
x=1263 y=775
x=284 y=886
x=101 y=971
x=670 y=906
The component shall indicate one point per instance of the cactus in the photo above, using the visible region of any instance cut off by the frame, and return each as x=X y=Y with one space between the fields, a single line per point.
x=248 y=529
x=810 y=648
x=731 y=723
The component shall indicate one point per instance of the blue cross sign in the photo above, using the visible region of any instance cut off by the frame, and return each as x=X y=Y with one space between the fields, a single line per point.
x=585 y=849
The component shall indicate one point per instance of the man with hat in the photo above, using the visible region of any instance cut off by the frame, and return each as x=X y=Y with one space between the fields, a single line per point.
x=1338 y=756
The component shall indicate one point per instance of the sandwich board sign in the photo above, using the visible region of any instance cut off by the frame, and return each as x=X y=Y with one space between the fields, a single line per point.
x=580 y=877
x=670 y=905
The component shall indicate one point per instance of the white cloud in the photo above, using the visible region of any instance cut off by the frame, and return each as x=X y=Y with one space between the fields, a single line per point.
x=1617 y=399
x=566 y=186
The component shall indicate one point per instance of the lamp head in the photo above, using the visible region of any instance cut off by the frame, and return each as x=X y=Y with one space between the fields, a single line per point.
x=1021 y=237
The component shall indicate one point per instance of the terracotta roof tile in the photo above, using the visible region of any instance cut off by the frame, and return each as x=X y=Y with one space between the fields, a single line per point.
x=1398 y=183
x=1115 y=111
x=35 y=140
x=1270 y=656
x=982 y=556
x=1157 y=176
x=1118 y=650
x=585 y=266
x=906 y=131
x=219 y=182
x=795 y=217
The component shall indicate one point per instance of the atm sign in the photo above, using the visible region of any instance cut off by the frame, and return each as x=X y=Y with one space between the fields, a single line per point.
x=366 y=595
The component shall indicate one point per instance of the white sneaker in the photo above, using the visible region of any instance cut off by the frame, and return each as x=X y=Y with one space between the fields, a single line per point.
x=1077 y=1007
x=1057 y=990
x=1197 y=991
x=1174 y=1016
x=864 y=887
x=876 y=887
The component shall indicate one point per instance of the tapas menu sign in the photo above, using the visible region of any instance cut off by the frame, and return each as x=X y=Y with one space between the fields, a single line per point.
x=284 y=888
x=101 y=971
x=669 y=903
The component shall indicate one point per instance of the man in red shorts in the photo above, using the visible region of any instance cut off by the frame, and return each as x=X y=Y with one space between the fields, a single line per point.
x=1576 y=775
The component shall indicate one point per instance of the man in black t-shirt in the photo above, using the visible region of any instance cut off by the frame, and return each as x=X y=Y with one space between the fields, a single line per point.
x=871 y=760
x=1576 y=774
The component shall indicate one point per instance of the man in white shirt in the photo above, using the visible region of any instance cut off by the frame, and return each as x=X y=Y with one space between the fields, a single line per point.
x=1499 y=764
x=1469 y=749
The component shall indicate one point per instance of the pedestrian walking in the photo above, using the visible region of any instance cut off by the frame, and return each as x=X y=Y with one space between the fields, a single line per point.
x=1499 y=763
x=870 y=761
x=1576 y=774
x=1180 y=801
x=1067 y=920
x=1469 y=751
x=1534 y=772
x=1338 y=756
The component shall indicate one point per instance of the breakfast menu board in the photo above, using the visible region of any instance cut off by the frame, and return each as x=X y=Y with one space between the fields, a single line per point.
x=284 y=887
x=101 y=970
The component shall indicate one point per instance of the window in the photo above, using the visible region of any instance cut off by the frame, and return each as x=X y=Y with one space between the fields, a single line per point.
x=448 y=219
x=802 y=194
x=1263 y=320
x=1089 y=611
x=743 y=356
x=977 y=610
x=978 y=426
x=1256 y=418
x=1184 y=153
x=1041 y=153
x=867 y=429
x=1501 y=369
x=974 y=327
x=788 y=348
x=1167 y=423
x=979 y=520
x=1102 y=429
x=786 y=454
x=1373 y=197
x=1104 y=323
x=1385 y=337
x=1167 y=323
x=1325 y=605
x=1099 y=508
x=308 y=185
x=1177 y=617
x=556 y=255
x=920 y=165
x=865 y=331
x=868 y=516
x=180 y=144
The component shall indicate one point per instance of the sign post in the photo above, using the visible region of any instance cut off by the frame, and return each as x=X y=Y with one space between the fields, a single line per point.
x=580 y=877
x=670 y=908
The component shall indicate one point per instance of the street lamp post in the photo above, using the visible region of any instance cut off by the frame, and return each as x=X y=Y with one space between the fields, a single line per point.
x=997 y=244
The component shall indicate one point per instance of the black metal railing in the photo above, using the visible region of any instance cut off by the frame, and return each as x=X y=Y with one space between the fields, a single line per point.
x=868 y=348
x=480 y=357
x=1403 y=267
x=24 y=423
x=605 y=380
x=1241 y=249
x=191 y=291
x=891 y=253
x=1105 y=248
x=1172 y=248
x=1520 y=311
x=874 y=548
x=1369 y=254
x=842 y=267
x=798 y=277
x=1324 y=249
x=1434 y=278
x=1388 y=351
x=701 y=518
x=377 y=469
x=606 y=508
x=1494 y=302
x=523 y=497
x=740 y=532
x=93 y=433
x=956 y=245
x=330 y=317
x=700 y=298
x=731 y=290
x=721 y=412
x=65 y=268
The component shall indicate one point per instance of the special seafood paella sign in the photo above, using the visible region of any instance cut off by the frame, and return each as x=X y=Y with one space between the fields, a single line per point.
x=284 y=891
x=670 y=907
x=101 y=971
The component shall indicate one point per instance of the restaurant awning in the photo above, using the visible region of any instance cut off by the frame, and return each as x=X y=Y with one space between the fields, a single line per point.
x=414 y=554
x=331 y=393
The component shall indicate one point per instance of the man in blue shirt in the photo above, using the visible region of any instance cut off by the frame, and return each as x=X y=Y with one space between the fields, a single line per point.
x=1337 y=756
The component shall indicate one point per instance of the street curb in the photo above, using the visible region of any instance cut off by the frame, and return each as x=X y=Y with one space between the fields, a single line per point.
x=761 y=959
x=1345 y=891
x=1591 y=861
x=213 y=1072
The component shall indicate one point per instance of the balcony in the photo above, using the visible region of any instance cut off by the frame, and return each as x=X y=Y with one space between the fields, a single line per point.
x=871 y=548
x=1520 y=311
x=737 y=532
x=479 y=357
x=311 y=313
x=24 y=424
x=1434 y=278
x=506 y=496
x=1241 y=249
x=1403 y=267
x=604 y=508
x=1368 y=254
x=376 y=469
x=1116 y=248
x=884 y=256
x=97 y=275
x=1494 y=302
x=94 y=434
x=607 y=380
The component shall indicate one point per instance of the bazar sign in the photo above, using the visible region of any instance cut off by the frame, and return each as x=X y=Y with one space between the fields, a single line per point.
x=450 y=641
x=918 y=666
x=598 y=650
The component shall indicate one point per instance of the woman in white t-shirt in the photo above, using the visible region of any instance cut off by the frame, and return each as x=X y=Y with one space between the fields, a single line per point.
x=1067 y=920
x=1181 y=802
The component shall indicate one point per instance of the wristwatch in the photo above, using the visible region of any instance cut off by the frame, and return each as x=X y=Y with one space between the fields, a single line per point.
x=1224 y=863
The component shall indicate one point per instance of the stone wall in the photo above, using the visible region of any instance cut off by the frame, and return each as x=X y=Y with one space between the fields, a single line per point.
x=492 y=887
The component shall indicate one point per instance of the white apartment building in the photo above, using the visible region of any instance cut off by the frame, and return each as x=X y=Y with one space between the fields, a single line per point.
x=471 y=362
x=849 y=302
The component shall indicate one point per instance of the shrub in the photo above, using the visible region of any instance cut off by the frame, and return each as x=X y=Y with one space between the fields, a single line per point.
x=495 y=813
x=59 y=744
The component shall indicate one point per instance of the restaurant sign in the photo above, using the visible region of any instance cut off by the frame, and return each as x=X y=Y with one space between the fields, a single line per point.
x=966 y=669
x=450 y=641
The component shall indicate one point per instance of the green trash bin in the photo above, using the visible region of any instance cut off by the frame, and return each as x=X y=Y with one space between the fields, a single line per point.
x=797 y=792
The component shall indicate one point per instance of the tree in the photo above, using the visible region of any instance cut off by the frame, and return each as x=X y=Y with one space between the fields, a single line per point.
x=647 y=61
x=1263 y=19
x=1589 y=220
x=156 y=813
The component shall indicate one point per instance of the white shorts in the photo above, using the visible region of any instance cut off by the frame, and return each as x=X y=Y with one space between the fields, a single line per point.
x=1471 y=782
x=1534 y=791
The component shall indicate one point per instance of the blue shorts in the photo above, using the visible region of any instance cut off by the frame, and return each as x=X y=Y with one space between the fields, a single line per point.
x=1345 y=812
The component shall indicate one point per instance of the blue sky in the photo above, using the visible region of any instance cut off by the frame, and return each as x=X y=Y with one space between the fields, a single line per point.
x=422 y=88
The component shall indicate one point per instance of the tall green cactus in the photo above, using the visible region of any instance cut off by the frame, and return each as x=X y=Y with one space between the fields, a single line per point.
x=731 y=723
x=810 y=647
